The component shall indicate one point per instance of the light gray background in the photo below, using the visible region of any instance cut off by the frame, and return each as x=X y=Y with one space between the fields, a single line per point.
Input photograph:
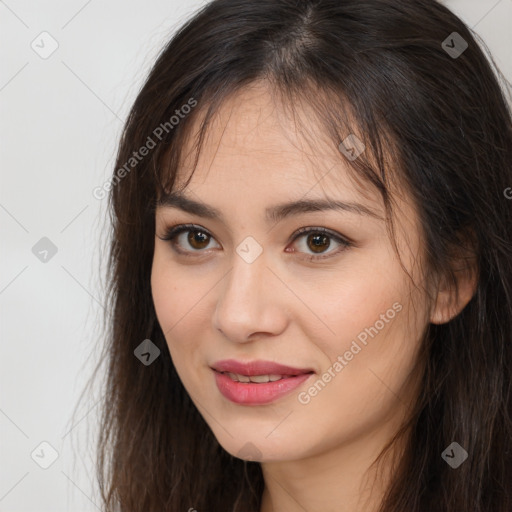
x=60 y=120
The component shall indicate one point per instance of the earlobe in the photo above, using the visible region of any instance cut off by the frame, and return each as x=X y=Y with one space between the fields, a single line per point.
x=448 y=304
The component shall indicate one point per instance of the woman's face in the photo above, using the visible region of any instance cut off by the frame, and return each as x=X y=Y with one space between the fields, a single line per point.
x=240 y=286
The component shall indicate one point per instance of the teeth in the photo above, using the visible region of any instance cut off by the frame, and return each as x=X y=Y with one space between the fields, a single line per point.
x=255 y=378
x=260 y=378
x=238 y=377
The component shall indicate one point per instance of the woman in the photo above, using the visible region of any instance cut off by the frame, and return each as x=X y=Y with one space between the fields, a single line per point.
x=311 y=267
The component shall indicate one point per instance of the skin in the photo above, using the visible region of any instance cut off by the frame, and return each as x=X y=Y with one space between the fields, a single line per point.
x=282 y=308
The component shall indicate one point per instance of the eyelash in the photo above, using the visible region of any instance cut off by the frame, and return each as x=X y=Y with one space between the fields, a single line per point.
x=173 y=231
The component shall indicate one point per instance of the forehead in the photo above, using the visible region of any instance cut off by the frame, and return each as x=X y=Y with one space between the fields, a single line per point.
x=253 y=140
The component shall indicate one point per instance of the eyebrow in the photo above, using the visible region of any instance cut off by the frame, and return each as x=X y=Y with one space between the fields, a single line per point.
x=273 y=213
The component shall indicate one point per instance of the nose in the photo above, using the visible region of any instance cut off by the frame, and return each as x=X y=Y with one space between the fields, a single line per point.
x=248 y=305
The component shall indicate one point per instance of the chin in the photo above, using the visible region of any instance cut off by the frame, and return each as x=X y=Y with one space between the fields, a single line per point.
x=260 y=451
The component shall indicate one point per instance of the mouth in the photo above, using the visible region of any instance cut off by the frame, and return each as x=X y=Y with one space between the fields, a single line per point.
x=257 y=379
x=258 y=368
x=257 y=382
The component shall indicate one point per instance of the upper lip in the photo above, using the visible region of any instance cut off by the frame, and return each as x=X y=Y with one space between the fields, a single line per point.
x=257 y=368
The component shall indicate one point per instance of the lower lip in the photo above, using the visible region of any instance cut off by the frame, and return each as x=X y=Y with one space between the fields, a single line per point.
x=254 y=393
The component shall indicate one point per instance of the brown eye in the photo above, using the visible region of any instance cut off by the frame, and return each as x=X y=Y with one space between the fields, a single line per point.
x=318 y=242
x=198 y=239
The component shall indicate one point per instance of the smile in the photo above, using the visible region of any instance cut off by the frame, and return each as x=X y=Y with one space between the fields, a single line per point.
x=237 y=377
x=257 y=389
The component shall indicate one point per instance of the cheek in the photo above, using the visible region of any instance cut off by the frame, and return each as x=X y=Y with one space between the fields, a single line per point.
x=350 y=302
x=171 y=297
x=172 y=291
x=178 y=301
x=373 y=353
x=362 y=384
x=369 y=323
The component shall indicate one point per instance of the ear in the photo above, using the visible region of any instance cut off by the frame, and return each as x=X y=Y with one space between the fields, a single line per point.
x=449 y=303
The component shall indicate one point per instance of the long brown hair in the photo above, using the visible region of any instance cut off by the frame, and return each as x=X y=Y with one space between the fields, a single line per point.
x=416 y=92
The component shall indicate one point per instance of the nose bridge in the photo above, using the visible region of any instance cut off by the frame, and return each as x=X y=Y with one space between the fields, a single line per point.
x=245 y=302
x=249 y=269
x=241 y=294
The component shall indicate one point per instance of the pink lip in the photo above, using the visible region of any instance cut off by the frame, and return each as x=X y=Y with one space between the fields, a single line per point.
x=257 y=393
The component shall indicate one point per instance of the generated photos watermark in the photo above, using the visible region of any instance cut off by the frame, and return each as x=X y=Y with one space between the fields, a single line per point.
x=305 y=397
x=145 y=149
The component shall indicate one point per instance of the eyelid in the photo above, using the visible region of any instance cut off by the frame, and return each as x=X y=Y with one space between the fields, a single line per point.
x=172 y=232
